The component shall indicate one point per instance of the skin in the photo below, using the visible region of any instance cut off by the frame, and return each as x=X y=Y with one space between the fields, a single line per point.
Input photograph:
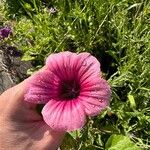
x=21 y=127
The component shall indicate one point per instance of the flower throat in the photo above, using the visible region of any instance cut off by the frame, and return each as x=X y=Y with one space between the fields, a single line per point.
x=69 y=90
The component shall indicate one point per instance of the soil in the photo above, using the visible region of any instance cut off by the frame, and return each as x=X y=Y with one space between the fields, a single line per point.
x=12 y=69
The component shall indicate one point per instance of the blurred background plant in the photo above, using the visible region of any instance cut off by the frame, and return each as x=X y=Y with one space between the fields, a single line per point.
x=117 y=33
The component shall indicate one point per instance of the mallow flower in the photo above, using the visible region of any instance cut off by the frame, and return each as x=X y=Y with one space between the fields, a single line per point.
x=71 y=87
x=5 y=32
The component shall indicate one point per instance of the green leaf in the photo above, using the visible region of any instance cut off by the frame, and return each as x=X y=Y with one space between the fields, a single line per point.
x=90 y=147
x=28 y=6
x=132 y=101
x=69 y=143
x=27 y=57
x=75 y=134
x=120 y=142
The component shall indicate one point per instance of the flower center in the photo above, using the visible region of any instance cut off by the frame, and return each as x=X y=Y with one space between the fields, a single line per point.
x=69 y=90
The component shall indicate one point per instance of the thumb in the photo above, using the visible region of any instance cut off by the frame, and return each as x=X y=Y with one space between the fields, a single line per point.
x=15 y=95
x=12 y=101
x=14 y=106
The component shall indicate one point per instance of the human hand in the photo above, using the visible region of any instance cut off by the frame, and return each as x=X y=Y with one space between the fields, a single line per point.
x=21 y=127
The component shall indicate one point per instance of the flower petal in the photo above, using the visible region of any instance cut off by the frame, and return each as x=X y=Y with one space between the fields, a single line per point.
x=95 y=98
x=42 y=87
x=61 y=64
x=88 y=66
x=64 y=115
x=69 y=65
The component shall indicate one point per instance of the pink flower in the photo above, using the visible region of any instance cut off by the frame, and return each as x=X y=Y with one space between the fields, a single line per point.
x=71 y=88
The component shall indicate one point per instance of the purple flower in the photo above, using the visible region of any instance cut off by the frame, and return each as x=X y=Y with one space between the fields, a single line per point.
x=5 y=32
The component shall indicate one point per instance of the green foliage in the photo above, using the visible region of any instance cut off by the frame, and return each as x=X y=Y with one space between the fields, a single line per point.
x=120 y=142
x=16 y=8
x=117 y=33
